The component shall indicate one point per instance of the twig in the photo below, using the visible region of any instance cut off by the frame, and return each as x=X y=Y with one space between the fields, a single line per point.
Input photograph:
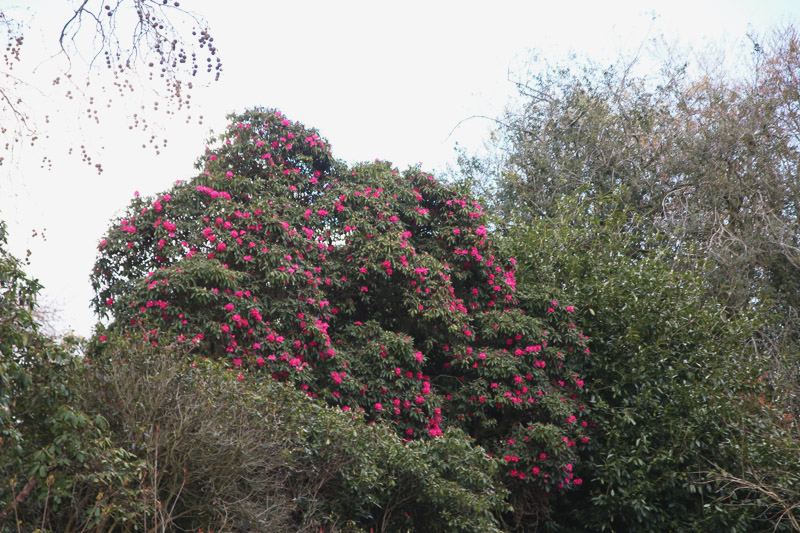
x=21 y=497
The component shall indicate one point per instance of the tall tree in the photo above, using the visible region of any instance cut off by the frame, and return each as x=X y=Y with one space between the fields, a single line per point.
x=631 y=192
x=708 y=157
x=372 y=290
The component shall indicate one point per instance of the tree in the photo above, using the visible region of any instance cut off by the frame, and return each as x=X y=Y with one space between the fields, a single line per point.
x=706 y=156
x=372 y=290
x=671 y=197
x=128 y=436
x=53 y=454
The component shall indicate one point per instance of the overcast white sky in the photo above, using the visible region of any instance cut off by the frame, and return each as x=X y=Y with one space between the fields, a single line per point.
x=378 y=79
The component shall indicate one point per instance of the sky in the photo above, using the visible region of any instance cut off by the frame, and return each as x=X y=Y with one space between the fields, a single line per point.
x=397 y=81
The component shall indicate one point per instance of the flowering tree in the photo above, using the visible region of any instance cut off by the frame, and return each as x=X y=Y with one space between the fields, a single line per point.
x=372 y=290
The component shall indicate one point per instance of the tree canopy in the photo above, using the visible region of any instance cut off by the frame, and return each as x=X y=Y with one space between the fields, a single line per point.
x=664 y=205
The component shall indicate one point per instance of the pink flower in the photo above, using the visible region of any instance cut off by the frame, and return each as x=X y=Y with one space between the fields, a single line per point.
x=378 y=406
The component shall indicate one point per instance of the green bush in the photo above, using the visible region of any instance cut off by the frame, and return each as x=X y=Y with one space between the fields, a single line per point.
x=225 y=455
x=59 y=469
x=672 y=376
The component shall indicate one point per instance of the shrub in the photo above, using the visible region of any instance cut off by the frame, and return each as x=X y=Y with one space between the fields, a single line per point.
x=224 y=455
x=674 y=383
x=59 y=469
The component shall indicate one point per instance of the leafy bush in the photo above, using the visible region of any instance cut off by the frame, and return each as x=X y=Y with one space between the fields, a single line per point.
x=58 y=467
x=674 y=383
x=224 y=455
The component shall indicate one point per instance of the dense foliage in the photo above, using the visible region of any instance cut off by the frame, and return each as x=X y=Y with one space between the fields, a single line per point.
x=675 y=381
x=264 y=457
x=55 y=458
x=664 y=207
x=371 y=290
